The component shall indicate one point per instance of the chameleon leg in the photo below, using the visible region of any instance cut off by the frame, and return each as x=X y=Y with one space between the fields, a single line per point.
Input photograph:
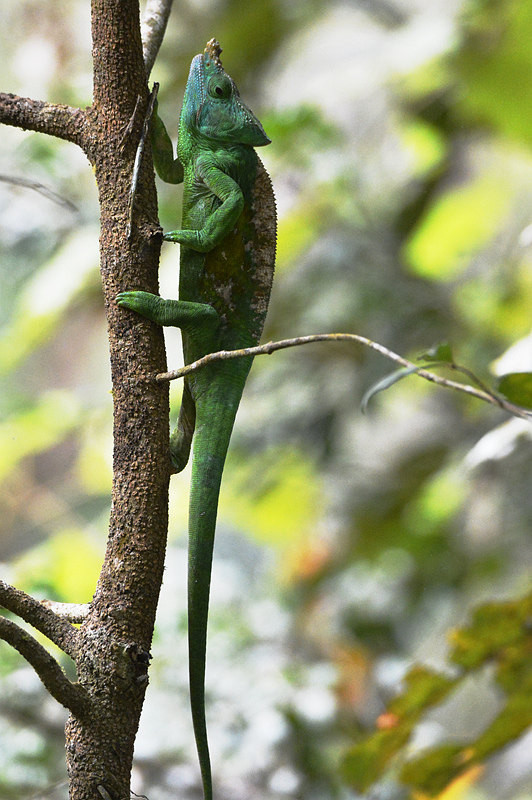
x=181 y=437
x=219 y=222
x=187 y=316
x=177 y=313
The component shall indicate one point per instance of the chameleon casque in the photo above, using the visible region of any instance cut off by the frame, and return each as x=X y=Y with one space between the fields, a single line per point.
x=227 y=259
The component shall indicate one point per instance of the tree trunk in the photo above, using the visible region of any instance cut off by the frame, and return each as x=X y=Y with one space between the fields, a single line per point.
x=115 y=638
x=111 y=649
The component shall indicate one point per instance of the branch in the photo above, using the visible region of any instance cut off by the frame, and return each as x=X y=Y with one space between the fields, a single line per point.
x=71 y=695
x=58 y=630
x=152 y=28
x=270 y=347
x=64 y=122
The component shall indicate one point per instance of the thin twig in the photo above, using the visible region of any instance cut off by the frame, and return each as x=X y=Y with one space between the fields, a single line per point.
x=58 y=630
x=128 y=130
x=138 y=157
x=15 y=180
x=71 y=695
x=270 y=347
x=469 y=374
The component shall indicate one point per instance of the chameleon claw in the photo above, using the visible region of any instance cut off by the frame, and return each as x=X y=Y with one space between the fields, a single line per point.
x=172 y=236
x=126 y=299
x=142 y=302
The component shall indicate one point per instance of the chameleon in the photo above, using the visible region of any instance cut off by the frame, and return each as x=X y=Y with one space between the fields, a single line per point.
x=227 y=255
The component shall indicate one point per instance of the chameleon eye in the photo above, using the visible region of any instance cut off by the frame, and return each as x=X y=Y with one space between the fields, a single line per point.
x=220 y=86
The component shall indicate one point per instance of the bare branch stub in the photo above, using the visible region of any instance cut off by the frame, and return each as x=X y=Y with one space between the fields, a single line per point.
x=62 y=121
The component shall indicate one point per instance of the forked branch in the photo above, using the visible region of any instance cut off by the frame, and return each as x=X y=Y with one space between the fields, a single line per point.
x=43 y=619
x=71 y=695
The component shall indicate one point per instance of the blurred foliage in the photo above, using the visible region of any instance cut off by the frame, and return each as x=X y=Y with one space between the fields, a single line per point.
x=491 y=64
x=272 y=495
x=499 y=637
x=456 y=225
x=348 y=544
x=65 y=568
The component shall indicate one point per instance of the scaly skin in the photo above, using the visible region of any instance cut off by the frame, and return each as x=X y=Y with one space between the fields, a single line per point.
x=227 y=258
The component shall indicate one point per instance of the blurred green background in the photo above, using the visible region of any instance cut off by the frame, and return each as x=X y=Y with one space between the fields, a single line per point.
x=348 y=544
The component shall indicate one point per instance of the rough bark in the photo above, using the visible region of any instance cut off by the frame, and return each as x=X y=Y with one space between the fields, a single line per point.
x=112 y=645
x=115 y=639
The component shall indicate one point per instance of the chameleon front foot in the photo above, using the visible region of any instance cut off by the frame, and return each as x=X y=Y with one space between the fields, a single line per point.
x=201 y=241
x=144 y=303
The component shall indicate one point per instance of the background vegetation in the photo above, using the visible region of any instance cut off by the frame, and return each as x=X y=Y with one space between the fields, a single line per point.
x=349 y=544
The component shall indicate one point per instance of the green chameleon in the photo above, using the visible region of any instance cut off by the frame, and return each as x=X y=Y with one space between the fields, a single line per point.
x=227 y=242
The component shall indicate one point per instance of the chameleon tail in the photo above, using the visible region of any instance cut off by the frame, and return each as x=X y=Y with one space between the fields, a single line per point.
x=214 y=423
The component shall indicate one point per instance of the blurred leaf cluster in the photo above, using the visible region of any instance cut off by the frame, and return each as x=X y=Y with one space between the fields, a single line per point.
x=499 y=637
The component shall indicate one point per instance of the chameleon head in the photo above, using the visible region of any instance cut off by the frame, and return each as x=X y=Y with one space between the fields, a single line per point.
x=212 y=104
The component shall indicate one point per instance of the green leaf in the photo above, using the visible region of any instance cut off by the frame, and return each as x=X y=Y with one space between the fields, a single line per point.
x=498 y=632
x=514 y=720
x=517 y=388
x=424 y=688
x=366 y=762
x=385 y=383
x=439 y=352
x=433 y=771
x=370 y=758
